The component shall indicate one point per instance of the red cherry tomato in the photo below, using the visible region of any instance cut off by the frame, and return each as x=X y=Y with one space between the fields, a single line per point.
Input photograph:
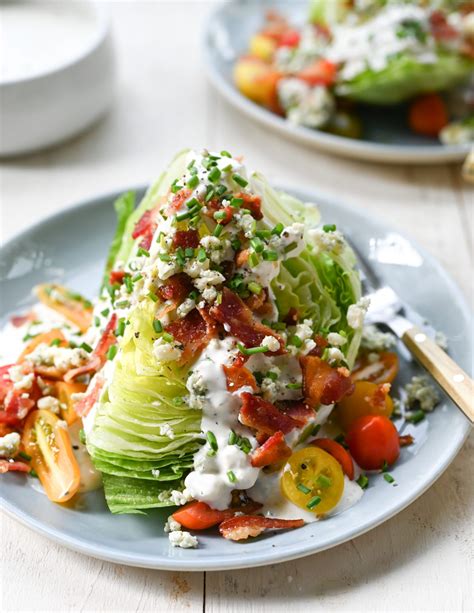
x=338 y=453
x=373 y=440
x=320 y=72
x=291 y=38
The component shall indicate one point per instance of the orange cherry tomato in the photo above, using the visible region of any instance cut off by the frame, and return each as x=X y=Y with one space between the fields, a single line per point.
x=338 y=453
x=373 y=441
x=48 y=443
x=72 y=306
x=64 y=392
x=367 y=399
x=45 y=337
x=384 y=370
x=321 y=72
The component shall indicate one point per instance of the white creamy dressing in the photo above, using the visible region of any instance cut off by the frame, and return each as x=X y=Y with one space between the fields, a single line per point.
x=371 y=44
x=209 y=481
x=90 y=477
x=37 y=36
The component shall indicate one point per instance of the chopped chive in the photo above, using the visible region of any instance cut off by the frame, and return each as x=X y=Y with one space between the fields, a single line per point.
x=296 y=341
x=236 y=244
x=157 y=327
x=112 y=352
x=384 y=468
x=245 y=445
x=55 y=342
x=257 y=244
x=236 y=202
x=183 y=216
x=189 y=252
x=122 y=304
x=270 y=256
x=191 y=164
x=220 y=215
x=240 y=180
x=278 y=229
x=120 y=329
x=211 y=453
x=278 y=325
x=96 y=321
x=303 y=488
x=194 y=202
x=33 y=473
x=180 y=256
x=142 y=251
x=315 y=500
x=254 y=287
x=271 y=375
x=251 y=350
x=323 y=481
x=329 y=227
x=214 y=175
x=164 y=257
x=193 y=295
x=340 y=439
x=231 y=476
x=137 y=277
x=193 y=182
x=415 y=417
x=226 y=154
x=290 y=247
x=363 y=482
x=388 y=478
x=211 y=439
x=294 y=386
x=233 y=438
x=105 y=312
x=253 y=260
x=153 y=296
x=315 y=429
x=128 y=283
x=175 y=188
x=264 y=234
x=201 y=254
x=220 y=190
x=86 y=347
x=169 y=338
x=25 y=456
x=218 y=230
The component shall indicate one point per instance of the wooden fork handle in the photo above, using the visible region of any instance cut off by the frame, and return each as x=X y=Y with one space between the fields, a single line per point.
x=455 y=382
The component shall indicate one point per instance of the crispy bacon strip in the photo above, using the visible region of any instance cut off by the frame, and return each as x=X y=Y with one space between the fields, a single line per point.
x=185 y=239
x=323 y=384
x=263 y=416
x=175 y=289
x=13 y=406
x=6 y=466
x=297 y=410
x=273 y=451
x=193 y=332
x=236 y=314
x=99 y=355
x=85 y=404
x=146 y=227
x=241 y=527
x=239 y=376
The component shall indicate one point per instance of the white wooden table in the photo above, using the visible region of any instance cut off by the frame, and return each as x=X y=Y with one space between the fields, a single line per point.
x=419 y=560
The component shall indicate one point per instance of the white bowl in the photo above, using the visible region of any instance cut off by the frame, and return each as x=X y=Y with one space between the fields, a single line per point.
x=51 y=105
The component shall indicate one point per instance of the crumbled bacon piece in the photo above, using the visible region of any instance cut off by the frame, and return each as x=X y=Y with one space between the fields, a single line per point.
x=185 y=239
x=378 y=399
x=99 y=355
x=176 y=288
x=241 y=527
x=252 y=203
x=406 y=440
x=297 y=410
x=441 y=28
x=236 y=314
x=15 y=404
x=263 y=416
x=260 y=303
x=239 y=376
x=91 y=396
x=146 y=227
x=6 y=466
x=321 y=344
x=193 y=332
x=273 y=451
x=116 y=276
x=178 y=200
x=292 y=317
x=323 y=384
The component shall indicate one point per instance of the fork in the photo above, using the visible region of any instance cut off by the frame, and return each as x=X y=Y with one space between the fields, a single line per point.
x=387 y=308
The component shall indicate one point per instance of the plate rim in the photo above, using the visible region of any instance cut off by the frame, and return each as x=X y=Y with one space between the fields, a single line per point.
x=256 y=559
x=336 y=145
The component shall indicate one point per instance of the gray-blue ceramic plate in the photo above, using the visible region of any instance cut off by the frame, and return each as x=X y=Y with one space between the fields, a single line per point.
x=70 y=247
x=387 y=137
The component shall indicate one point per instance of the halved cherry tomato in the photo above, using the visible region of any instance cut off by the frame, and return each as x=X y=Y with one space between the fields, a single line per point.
x=428 y=115
x=313 y=480
x=321 y=72
x=262 y=46
x=64 y=392
x=373 y=440
x=257 y=80
x=338 y=452
x=367 y=399
x=290 y=38
x=45 y=337
x=47 y=441
x=72 y=306
x=384 y=370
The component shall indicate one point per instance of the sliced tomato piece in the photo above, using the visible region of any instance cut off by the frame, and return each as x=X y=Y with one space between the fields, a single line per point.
x=384 y=370
x=7 y=466
x=245 y=526
x=338 y=453
x=48 y=443
x=74 y=307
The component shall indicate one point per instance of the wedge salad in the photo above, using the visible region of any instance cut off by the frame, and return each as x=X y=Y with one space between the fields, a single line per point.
x=367 y=52
x=223 y=368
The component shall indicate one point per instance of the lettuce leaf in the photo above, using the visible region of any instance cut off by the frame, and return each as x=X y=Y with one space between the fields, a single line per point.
x=125 y=495
x=124 y=207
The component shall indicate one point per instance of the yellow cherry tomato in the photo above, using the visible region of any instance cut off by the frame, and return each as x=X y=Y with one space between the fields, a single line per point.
x=367 y=399
x=262 y=46
x=257 y=80
x=74 y=307
x=46 y=439
x=313 y=480
x=64 y=392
